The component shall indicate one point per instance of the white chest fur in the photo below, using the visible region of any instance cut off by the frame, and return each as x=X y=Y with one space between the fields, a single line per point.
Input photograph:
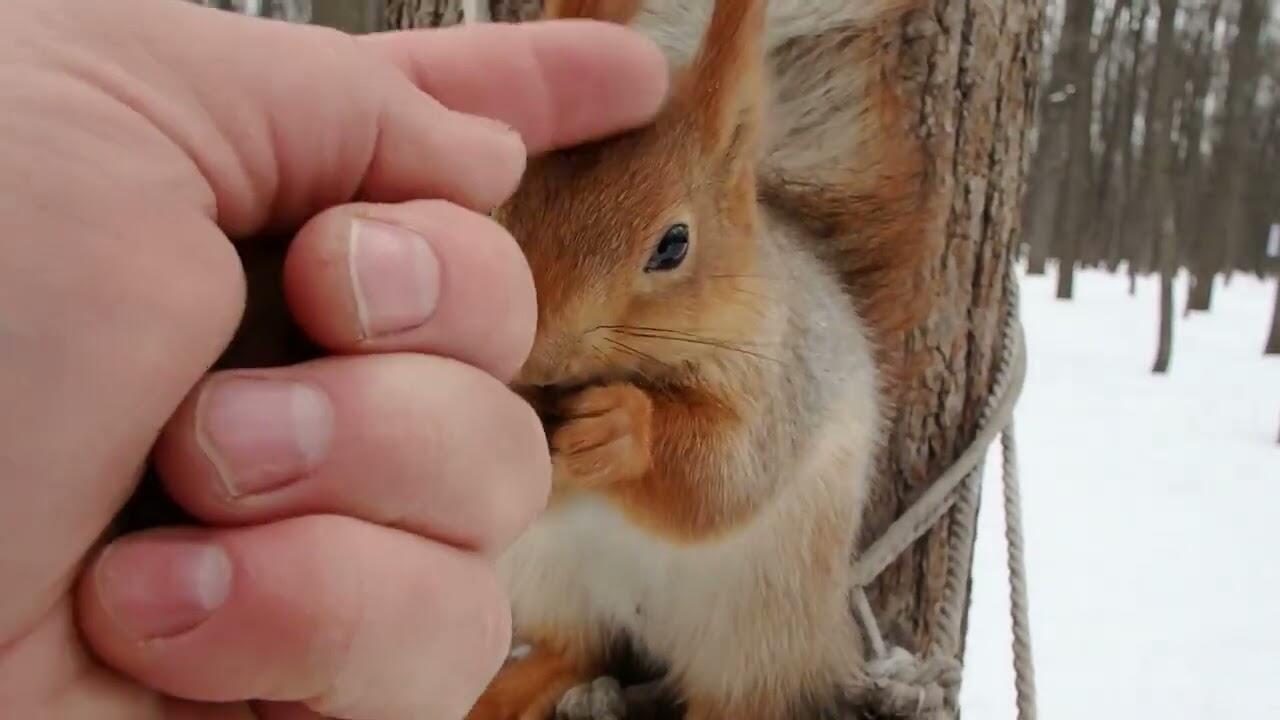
x=584 y=561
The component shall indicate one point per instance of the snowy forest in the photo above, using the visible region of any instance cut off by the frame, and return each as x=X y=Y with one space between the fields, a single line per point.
x=1158 y=147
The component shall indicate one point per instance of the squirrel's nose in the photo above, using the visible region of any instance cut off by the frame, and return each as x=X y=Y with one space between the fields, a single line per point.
x=545 y=360
x=556 y=359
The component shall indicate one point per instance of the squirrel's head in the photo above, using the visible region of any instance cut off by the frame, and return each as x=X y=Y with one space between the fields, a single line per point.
x=644 y=246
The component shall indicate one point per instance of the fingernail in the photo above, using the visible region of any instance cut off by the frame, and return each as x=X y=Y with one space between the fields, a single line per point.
x=499 y=127
x=161 y=587
x=262 y=434
x=395 y=276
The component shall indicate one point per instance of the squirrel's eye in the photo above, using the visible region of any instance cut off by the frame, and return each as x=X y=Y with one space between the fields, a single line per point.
x=671 y=249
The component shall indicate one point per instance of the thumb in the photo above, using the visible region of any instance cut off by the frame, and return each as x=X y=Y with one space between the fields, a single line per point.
x=284 y=120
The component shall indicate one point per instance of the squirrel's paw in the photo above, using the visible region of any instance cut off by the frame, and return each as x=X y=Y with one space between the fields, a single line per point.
x=605 y=437
x=602 y=699
x=528 y=688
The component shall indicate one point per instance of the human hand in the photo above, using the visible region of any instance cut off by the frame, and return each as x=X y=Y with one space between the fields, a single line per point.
x=356 y=501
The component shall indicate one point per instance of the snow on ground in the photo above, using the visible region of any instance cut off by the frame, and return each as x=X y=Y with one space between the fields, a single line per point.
x=1150 y=508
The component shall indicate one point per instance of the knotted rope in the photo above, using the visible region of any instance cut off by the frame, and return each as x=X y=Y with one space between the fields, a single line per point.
x=903 y=684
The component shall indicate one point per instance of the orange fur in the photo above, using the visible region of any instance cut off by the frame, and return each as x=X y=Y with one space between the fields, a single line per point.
x=726 y=77
x=617 y=11
x=529 y=688
x=606 y=438
x=673 y=496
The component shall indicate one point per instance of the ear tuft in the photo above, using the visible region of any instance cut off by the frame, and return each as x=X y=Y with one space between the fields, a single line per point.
x=728 y=75
x=615 y=11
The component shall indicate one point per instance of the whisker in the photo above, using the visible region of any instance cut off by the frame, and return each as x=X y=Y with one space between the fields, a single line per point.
x=672 y=334
x=703 y=341
x=600 y=355
x=636 y=353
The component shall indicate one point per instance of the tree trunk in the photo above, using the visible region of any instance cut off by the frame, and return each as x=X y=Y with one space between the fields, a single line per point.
x=1194 y=240
x=1076 y=60
x=1158 y=170
x=1273 y=339
x=970 y=73
x=973 y=66
x=1056 y=183
x=1066 y=276
x=1200 y=295
x=1115 y=143
x=1168 y=267
x=1132 y=237
x=1231 y=157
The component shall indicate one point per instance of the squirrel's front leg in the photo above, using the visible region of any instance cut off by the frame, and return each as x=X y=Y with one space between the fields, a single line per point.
x=530 y=687
x=668 y=459
x=605 y=439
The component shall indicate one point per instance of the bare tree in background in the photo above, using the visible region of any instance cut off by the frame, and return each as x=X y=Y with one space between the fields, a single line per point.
x=1060 y=166
x=1224 y=201
x=1273 y=338
x=1197 y=71
x=1157 y=175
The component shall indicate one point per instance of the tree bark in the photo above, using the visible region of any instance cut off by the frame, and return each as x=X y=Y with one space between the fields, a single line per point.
x=972 y=68
x=970 y=74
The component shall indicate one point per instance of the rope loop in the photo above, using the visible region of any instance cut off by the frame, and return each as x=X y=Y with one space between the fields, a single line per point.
x=903 y=685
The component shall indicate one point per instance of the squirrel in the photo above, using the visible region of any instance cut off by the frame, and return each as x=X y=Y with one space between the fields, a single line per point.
x=723 y=295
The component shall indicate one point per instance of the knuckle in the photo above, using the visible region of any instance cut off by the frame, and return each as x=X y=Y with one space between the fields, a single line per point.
x=519 y=310
x=529 y=467
x=499 y=442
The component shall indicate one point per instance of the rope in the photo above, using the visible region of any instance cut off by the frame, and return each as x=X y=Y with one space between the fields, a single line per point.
x=906 y=685
x=1023 y=665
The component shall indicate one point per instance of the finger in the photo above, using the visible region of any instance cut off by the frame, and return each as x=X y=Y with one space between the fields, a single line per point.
x=418 y=442
x=558 y=83
x=283 y=120
x=424 y=277
x=350 y=619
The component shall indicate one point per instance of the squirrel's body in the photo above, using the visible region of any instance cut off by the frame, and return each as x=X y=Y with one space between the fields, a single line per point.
x=759 y=611
x=718 y=295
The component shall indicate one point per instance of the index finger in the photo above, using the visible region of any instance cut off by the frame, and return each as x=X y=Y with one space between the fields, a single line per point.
x=557 y=83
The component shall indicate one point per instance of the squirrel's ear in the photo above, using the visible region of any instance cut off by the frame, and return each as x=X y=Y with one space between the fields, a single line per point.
x=728 y=77
x=615 y=11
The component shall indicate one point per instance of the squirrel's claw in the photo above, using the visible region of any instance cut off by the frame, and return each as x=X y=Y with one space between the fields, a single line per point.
x=602 y=699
